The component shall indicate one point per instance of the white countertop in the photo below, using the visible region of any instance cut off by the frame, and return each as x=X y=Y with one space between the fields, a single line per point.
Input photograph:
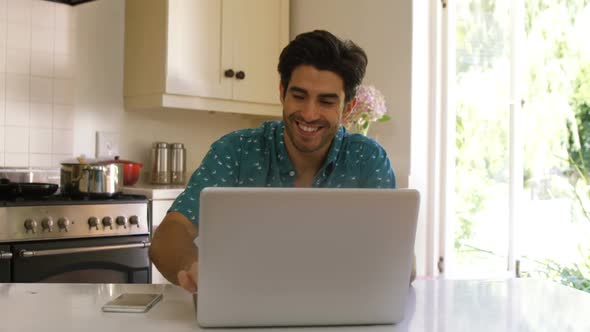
x=434 y=305
x=155 y=191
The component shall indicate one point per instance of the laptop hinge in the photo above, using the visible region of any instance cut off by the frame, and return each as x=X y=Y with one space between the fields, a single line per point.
x=441 y=264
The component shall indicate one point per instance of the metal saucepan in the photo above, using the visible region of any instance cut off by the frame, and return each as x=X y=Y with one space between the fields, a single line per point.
x=130 y=169
x=93 y=179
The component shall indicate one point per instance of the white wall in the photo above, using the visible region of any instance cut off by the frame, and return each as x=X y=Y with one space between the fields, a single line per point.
x=99 y=97
x=384 y=29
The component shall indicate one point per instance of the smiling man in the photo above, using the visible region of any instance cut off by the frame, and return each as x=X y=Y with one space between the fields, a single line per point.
x=309 y=148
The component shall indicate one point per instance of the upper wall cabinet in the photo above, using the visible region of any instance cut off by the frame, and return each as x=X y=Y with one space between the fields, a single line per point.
x=213 y=55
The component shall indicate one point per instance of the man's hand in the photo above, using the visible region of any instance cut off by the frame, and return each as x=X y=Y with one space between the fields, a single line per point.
x=187 y=279
x=173 y=251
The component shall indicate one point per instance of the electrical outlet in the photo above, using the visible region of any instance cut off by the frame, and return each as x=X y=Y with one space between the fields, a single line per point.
x=107 y=144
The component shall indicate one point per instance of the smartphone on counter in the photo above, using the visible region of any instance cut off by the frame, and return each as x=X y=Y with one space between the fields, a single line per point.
x=132 y=302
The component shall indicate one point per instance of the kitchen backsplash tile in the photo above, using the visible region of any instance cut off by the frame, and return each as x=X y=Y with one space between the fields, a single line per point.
x=2 y=87
x=18 y=61
x=2 y=9
x=41 y=116
x=16 y=140
x=17 y=87
x=36 y=86
x=18 y=11
x=57 y=158
x=63 y=92
x=40 y=160
x=41 y=89
x=2 y=32
x=64 y=18
x=63 y=116
x=43 y=14
x=2 y=62
x=18 y=36
x=2 y=116
x=43 y=39
x=64 y=66
x=17 y=114
x=42 y=64
x=16 y=159
x=64 y=41
x=40 y=140
x=62 y=141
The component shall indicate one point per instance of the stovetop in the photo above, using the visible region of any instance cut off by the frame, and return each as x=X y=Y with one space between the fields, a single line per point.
x=71 y=200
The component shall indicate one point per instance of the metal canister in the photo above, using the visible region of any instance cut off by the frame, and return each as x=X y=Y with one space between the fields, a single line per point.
x=160 y=173
x=177 y=163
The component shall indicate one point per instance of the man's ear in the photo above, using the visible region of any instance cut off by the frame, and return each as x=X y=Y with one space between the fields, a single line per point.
x=348 y=107
x=282 y=92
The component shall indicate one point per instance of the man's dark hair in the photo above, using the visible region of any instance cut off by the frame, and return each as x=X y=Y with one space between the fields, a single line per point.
x=325 y=51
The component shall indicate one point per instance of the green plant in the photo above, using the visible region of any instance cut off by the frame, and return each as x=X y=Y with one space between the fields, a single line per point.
x=572 y=275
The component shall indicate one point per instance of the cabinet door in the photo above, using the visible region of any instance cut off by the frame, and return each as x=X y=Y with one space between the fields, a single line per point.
x=159 y=210
x=259 y=36
x=198 y=52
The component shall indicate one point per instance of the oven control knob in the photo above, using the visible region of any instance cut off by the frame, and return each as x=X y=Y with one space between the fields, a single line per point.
x=30 y=225
x=47 y=223
x=93 y=222
x=121 y=221
x=63 y=223
x=134 y=220
x=107 y=221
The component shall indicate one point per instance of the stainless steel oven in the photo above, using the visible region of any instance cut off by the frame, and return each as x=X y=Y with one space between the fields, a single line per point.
x=75 y=240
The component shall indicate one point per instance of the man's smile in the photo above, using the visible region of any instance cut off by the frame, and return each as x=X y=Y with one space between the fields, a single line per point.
x=306 y=129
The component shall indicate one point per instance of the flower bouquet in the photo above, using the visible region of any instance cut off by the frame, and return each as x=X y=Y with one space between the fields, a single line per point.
x=370 y=107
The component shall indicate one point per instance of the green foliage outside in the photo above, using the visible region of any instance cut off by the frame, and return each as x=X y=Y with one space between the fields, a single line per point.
x=556 y=117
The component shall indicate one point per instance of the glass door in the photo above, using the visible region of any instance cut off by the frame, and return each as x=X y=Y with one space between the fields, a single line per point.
x=521 y=91
x=479 y=230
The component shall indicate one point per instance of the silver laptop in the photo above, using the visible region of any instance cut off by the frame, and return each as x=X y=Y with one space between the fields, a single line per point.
x=304 y=257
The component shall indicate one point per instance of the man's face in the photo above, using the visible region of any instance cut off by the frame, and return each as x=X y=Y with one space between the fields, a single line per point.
x=312 y=108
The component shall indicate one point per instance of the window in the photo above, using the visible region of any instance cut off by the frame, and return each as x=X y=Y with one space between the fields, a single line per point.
x=519 y=111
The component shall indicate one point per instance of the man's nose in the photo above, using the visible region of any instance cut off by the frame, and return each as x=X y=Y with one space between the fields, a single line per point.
x=310 y=112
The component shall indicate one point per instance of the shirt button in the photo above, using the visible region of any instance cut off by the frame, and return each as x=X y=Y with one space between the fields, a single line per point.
x=292 y=173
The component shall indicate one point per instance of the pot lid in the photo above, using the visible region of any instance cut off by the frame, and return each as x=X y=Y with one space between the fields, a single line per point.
x=118 y=161
x=82 y=160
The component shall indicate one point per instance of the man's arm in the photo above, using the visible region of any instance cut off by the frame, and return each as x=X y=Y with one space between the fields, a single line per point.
x=173 y=251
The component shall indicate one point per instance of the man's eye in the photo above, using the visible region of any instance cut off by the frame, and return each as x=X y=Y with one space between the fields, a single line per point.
x=297 y=96
x=327 y=102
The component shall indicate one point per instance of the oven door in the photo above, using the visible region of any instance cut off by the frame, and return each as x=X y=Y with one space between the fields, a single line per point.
x=97 y=260
x=5 y=258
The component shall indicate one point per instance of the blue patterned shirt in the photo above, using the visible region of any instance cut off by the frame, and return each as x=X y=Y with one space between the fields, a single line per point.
x=258 y=158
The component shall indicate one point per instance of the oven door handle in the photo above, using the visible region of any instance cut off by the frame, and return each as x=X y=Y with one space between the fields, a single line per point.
x=5 y=255
x=50 y=252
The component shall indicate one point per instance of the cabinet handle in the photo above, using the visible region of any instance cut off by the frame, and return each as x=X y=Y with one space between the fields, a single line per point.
x=240 y=75
x=229 y=73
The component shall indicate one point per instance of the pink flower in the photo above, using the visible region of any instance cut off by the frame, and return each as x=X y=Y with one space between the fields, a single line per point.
x=370 y=107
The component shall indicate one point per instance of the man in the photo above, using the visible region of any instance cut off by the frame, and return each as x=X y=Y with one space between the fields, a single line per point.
x=319 y=76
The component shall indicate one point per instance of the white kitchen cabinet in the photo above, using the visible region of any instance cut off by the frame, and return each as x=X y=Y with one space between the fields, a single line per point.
x=160 y=200
x=213 y=55
x=159 y=209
